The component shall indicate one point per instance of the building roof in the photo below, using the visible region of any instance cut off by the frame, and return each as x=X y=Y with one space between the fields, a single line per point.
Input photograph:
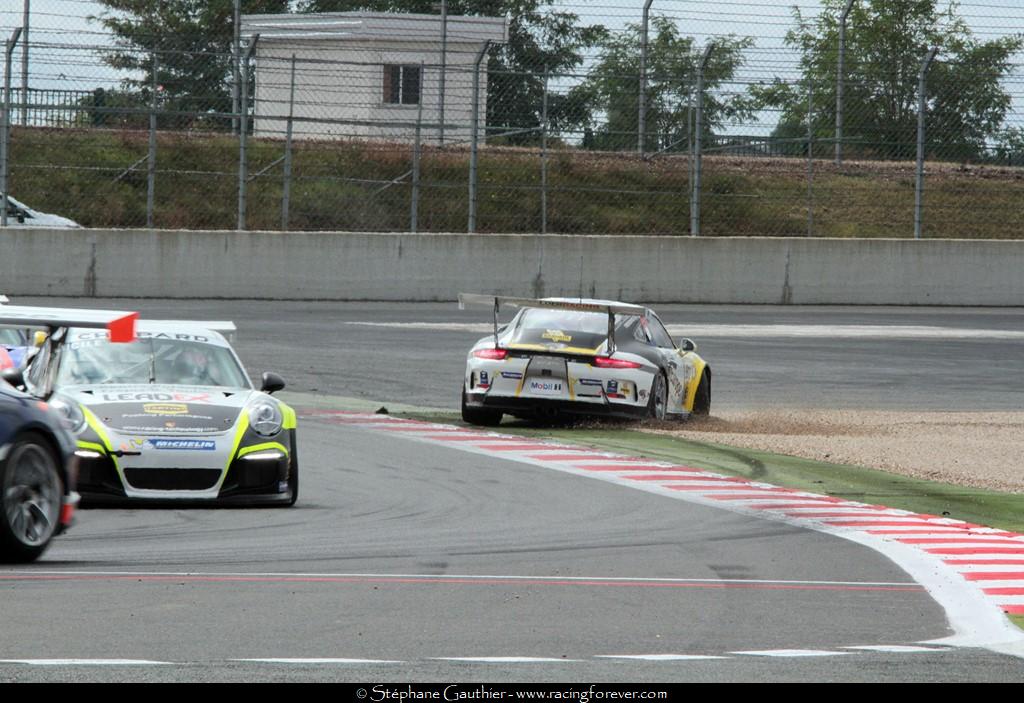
x=355 y=26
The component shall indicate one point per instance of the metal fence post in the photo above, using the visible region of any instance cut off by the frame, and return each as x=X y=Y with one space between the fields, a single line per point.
x=25 y=17
x=839 y=81
x=416 y=146
x=236 y=58
x=922 y=104
x=444 y=69
x=810 y=158
x=243 y=130
x=5 y=138
x=642 y=106
x=475 y=136
x=544 y=158
x=698 y=128
x=286 y=187
x=151 y=156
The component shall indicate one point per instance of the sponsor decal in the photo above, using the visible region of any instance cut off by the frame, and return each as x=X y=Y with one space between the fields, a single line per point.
x=538 y=386
x=643 y=395
x=157 y=397
x=165 y=408
x=104 y=334
x=282 y=486
x=556 y=336
x=613 y=386
x=485 y=380
x=511 y=374
x=590 y=382
x=203 y=445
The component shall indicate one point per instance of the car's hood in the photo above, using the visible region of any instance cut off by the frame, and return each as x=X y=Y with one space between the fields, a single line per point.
x=158 y=409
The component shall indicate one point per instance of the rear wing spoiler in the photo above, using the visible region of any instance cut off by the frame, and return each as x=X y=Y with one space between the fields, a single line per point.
x=496 y=301
x=120 y=324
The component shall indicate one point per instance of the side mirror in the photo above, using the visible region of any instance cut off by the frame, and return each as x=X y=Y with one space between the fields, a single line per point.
x=686 y=345
x=16 y=377
x=271 y=382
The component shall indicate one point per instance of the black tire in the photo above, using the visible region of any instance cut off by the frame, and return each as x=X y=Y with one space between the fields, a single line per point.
x=31 y=497
x=702 y=399
x=293 y=472
x=657 y=404
x=479 y=416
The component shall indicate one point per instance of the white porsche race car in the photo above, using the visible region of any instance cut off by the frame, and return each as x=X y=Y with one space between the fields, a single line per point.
x=561 y=356
x=169 y=416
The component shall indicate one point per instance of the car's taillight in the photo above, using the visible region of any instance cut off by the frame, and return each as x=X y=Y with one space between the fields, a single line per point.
x=496 y=354
x=606 y=362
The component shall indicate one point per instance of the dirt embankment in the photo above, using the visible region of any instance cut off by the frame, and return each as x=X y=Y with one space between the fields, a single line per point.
x=982 y=449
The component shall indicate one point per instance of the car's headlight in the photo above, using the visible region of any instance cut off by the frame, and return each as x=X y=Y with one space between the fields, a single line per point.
x=71 y=415
x=265 y=417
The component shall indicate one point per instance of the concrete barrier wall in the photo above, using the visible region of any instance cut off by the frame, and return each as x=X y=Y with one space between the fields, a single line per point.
x=435 y=267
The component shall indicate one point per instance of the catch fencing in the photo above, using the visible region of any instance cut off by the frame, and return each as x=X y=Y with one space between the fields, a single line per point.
x=648 y=131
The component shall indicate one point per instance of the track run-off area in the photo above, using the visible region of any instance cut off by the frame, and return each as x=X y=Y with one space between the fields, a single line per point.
x=432 y=551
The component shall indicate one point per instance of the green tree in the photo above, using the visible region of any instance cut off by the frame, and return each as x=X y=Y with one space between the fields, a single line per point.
x=538 y=36
x=607 y=102
x=193 y=40
x=886 y=41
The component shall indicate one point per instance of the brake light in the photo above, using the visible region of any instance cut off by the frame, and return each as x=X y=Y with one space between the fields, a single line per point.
x=606 y=362
x=496 y=354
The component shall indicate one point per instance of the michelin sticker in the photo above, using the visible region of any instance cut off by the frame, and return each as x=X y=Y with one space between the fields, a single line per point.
x=202 y=445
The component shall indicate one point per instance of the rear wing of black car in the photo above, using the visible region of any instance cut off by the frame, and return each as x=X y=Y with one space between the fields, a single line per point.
x=496 y=301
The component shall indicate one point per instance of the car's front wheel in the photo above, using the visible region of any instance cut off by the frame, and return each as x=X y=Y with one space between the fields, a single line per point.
x=31 y=499
x=702 y=399
x=479 y=416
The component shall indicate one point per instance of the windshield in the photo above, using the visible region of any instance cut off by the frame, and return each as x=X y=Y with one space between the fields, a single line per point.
x=556 y=328
x=149 y=360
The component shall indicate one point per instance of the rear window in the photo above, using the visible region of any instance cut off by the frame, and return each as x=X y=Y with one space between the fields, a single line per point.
x=567 y=328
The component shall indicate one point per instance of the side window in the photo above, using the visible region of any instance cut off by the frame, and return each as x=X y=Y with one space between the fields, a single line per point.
x=659 y=333
x=640 y=332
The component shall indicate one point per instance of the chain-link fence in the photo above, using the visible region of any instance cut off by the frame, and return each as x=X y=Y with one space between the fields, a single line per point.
x=443 y=123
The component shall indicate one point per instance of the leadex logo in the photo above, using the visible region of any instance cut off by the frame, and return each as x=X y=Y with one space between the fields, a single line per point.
x=202 y=445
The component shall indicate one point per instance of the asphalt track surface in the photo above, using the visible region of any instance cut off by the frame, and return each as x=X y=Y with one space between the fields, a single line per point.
x=325 y=348
x=414 y=556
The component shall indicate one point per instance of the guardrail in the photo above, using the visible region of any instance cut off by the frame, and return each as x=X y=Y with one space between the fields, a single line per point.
x=435 y=267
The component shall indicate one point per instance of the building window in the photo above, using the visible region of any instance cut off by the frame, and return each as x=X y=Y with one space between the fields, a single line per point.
x=401 y=84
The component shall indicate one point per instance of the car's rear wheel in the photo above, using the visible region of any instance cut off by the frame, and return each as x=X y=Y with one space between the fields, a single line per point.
x=479 y=416
x=657 y=405
x=31 y=496
x=702 y=399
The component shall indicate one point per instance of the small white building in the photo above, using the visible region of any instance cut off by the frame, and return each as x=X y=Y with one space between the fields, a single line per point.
x=369 y=75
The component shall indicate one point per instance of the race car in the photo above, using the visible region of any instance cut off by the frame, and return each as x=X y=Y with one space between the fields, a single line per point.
x=38 y=462
x=37 y=476
x=171 y=416
x=561 y=356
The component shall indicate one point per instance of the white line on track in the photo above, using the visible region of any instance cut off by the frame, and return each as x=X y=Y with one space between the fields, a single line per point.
x=440 y=577
x=791 y=653
x=85 y=662
x=897 y=648
x=659 y=657
x=318 y=660
x=760 y=331
x=504 y=660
